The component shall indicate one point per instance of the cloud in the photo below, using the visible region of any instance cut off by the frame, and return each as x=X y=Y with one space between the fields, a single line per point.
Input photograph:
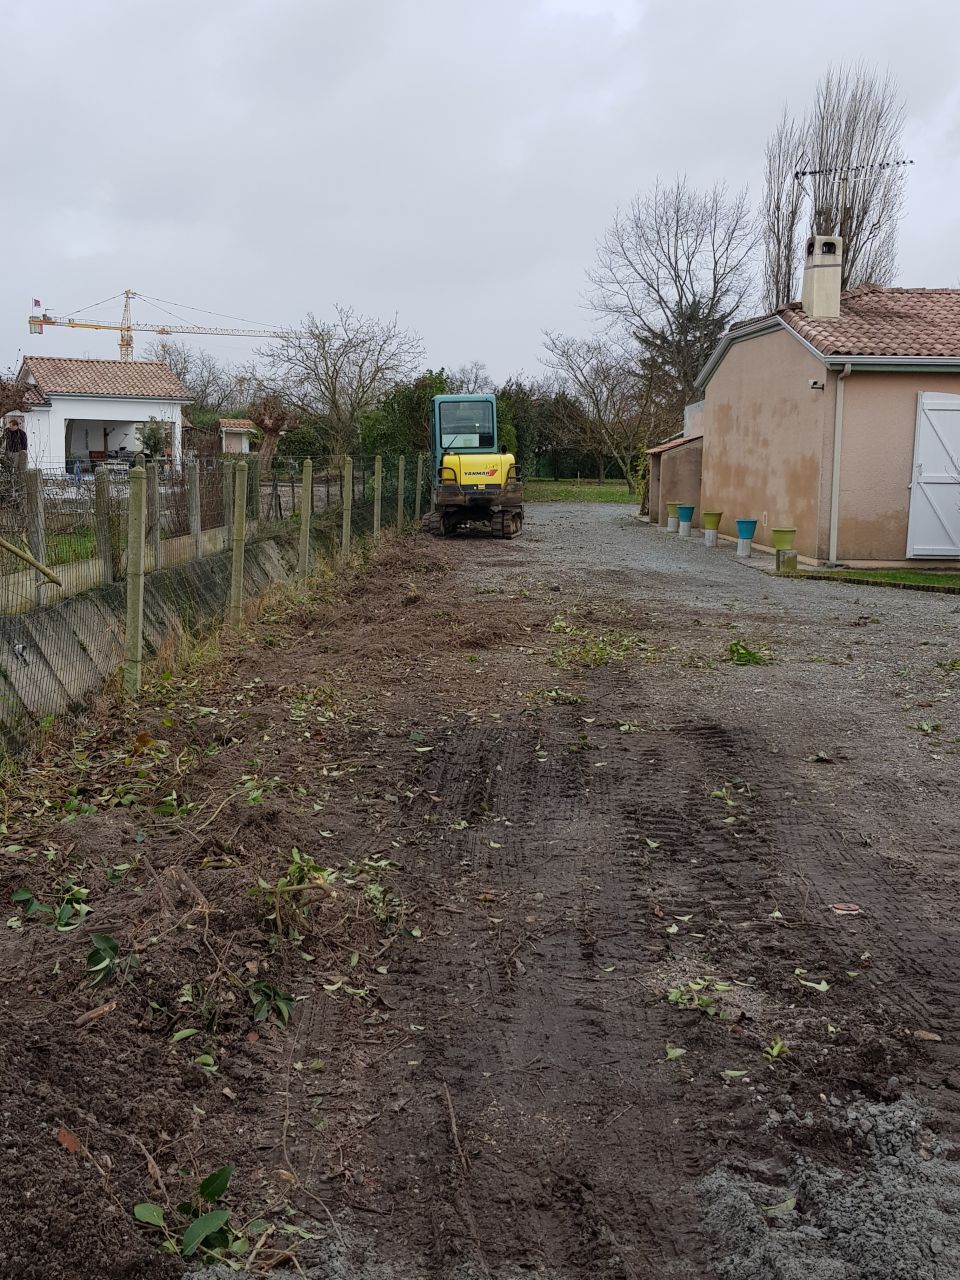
x=448 y=161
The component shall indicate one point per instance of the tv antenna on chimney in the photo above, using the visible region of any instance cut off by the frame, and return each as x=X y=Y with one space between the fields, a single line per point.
x=846 y=174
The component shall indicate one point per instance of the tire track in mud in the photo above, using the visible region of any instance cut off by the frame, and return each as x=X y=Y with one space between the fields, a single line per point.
x=570 y=1146
x=549 y=944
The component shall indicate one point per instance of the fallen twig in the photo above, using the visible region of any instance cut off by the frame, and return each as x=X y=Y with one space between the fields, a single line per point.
x=260 y=1243
x=203 y=825
x=152 y=1167
x=614 y=1119
x=454 y=1131
x=91 y=1015
x=401 y=1044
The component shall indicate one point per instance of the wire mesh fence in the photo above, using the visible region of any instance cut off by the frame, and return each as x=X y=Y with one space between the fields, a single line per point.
x=65 y=554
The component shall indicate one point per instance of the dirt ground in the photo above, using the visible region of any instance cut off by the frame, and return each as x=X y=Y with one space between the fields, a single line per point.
x=569 y=991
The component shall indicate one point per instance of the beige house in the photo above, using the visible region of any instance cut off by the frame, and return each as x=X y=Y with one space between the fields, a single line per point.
x=839 y=416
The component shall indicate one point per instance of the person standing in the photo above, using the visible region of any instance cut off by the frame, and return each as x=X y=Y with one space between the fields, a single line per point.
x=16 y=445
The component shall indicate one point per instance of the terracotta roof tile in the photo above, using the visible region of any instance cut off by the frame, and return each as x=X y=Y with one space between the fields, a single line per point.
x=673 y=444
x=237 y=424
x=881 y=322
x=139 y=379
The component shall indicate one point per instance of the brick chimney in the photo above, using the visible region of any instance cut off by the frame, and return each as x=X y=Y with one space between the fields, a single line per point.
x=820 y=297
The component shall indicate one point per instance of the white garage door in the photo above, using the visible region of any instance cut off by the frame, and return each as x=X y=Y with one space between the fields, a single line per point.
x=934 y=528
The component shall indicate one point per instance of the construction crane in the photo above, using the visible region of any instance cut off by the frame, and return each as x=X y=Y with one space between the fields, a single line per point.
x=40 y=319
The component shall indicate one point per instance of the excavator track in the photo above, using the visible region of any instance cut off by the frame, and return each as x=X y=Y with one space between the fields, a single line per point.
x=503 y=524
x=506 y=524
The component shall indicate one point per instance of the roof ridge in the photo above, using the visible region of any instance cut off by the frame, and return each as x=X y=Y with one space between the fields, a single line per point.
x=94 y=360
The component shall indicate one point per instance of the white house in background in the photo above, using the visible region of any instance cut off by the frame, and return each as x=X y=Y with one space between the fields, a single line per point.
x=93 y=409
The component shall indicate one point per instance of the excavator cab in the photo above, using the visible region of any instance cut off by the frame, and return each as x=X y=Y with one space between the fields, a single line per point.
x=474 y=483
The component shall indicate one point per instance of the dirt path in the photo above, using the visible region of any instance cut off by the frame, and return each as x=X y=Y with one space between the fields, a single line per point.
x=678 y=823
x=552 y=803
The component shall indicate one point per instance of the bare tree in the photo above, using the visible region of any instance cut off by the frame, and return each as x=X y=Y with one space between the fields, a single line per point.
x=782 y=212
x=336 y=370
x=856 y=128
x=674 y=269
x=13 y=394
x=612 y=408
x=470 y=379
x=853 y=138
x=213 y=385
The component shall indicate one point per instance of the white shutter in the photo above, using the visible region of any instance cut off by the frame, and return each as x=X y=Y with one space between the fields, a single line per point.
x=934 y=528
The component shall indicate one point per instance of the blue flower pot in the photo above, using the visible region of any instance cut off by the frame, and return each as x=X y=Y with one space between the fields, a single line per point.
x=685 y=513
x=746 y=528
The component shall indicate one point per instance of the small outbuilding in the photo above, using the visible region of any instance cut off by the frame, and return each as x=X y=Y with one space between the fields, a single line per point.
x=675 y=473
x=236 y=434
x=94 y=410
x=839 y=416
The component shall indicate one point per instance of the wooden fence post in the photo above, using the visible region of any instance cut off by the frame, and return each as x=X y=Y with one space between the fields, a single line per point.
x=227 y=482
x=347 y=486
x=416 y=497
x=377 y=494
x=153 y=512
x=253 y=487
x=401 y=467
x=101 y=521
x=36 y=525
x=193 y=506
x=136 y=545
x=235 y=613
x=306 y=511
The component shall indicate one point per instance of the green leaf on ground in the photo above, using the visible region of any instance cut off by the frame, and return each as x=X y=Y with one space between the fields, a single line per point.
x=782 y=1209
x=743 y=656
x=212 y=1188
x=149 y=1213
x=200 y=1230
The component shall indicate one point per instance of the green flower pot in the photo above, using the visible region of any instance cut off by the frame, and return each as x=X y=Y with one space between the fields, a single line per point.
x=711 y=519
x=672 y=509
x=783 y=539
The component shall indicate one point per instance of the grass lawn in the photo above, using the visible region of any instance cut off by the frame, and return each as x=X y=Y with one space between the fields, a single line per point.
x=909 y=577
x=576 y=491
x=65 y=548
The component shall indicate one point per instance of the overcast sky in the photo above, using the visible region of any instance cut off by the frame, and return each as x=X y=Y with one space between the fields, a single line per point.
x=450 y=161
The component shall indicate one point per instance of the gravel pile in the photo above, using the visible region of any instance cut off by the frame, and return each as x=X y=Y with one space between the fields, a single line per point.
x=896 y=1217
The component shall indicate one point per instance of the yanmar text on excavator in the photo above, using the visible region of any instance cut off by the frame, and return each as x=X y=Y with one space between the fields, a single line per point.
x=474 y=483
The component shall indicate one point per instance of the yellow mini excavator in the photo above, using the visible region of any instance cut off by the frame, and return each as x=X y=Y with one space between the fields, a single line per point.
x=474 y=483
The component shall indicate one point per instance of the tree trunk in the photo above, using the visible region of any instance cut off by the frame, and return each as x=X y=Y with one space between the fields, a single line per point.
x=268 y=447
